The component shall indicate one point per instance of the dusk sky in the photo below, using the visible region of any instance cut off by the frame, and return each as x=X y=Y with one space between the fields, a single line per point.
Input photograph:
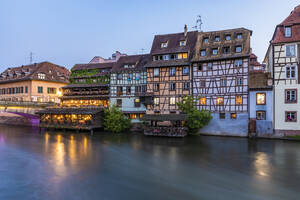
x=67 y=32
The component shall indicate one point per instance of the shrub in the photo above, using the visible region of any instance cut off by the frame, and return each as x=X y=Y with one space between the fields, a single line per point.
x=115 y=121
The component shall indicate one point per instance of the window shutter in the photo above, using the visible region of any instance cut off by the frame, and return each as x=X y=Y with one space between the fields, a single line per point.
x=298 y=61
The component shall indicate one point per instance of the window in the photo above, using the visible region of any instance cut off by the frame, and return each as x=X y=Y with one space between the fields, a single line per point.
x=41 y=76
x=203 y=101
x=137 y=102
x=203 y=52
x=238 y=63
x=26 y=89
x=182 y=56
x=51 y=90
x=226 y=50
x=217 y=38
x=228 y=37
x=186 y=70
x=186 y=86
x=290 y=72
x=220 y=101
x=291 y=116
x=172 y=86
x=128 y=90
x=261 y=115
x=291 y=96
x=132 y=116
x=156 y=87
x=205 y=40
x=232 y=115
x=288 y=31
x=120 y=76
x=172 y=101
x=119 y=103
x=239 y=36
x=164 y=44
x=223 y=82
x=215 y=51
x=260 y=98
x=238 y=100
x=222 y=115
x=156 y=71
x=166 y=57
x=238 y=49
x=290 y=50
x=182 y=43
x=119 y=90
x=138 y=76
x=40 y=89
x=130 y=77
x=156 y=101
x=200 y=67
x=172 y=71
x=209 y=66
x=202 y=83
x=239 y=81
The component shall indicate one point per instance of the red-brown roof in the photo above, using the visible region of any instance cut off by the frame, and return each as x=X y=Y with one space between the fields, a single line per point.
x=293 y=20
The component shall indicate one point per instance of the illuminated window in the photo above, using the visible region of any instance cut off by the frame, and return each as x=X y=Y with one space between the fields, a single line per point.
x=132 y=116
x=156 y=101
x=141 y=115
x=238 y=100
x=232 y=115
x=203 y=101
x=220 y=101
x=172 y=101
x=261 y=115
x=137 y=102
x=182 y=56
x=261 y=98
x=41 y=76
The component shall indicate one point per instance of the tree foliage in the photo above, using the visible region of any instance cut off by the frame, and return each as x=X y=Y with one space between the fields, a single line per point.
x=115 y=121
x=196 y=119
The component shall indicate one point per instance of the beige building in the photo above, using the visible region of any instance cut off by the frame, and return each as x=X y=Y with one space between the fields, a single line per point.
x=39 y=82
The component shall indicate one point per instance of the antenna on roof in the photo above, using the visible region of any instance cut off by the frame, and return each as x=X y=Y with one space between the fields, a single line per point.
x=199 y=23
x=30 y=58
x=142 y=50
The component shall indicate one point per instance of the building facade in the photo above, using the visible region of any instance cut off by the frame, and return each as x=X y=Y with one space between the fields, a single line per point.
x=128 y=85
x=169 y=76
x=220 y=68
x=282 y=61
x=260 y=103
x=39 y=82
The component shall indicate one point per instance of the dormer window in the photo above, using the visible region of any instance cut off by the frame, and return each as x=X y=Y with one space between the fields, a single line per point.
x=41 y=76
x=215 y=51
x=217 y=38
x=203 y=52
x=239 y=36
x=228 y=37
x=182 y=43
x=205 y=40
x=288 y=31
x=164 y=44
x=238 y=49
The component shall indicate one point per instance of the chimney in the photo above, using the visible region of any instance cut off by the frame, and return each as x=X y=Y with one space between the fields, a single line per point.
x=185 y=30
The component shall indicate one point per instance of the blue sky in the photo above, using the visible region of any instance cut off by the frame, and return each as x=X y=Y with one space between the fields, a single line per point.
x=66 y=32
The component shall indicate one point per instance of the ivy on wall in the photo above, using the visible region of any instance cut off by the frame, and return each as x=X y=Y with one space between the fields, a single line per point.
x=84 y=72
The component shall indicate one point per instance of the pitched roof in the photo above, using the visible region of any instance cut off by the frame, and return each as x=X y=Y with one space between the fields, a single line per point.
x=137 y=61
x=93 y=66
x=52 y=72
x=293 y=20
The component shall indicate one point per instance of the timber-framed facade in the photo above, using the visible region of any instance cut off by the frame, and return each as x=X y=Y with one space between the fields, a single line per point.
x=169 y=75
x=220 y=79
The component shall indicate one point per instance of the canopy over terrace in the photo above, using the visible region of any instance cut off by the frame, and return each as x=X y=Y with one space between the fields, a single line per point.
x=167 y=125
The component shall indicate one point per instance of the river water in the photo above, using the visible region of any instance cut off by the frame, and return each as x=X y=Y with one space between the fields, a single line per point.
x=56 y=165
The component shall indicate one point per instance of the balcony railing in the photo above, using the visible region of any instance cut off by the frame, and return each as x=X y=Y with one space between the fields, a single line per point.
x=27 y=103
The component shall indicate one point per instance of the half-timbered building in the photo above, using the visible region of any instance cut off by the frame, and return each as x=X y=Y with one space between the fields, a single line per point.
x=128 y=85
x=282 y=61
x=220 y=79
x=169 y=73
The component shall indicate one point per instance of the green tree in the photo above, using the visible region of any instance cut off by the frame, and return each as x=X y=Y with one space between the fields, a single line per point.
x=115 y=121
x=196 y=119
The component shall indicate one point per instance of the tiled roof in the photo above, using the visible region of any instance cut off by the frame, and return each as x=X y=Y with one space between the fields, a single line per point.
x=138 y=61
x=52 y=72
x=293 y=20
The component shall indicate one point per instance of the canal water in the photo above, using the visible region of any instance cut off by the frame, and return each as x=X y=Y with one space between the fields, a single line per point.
x=57 y=165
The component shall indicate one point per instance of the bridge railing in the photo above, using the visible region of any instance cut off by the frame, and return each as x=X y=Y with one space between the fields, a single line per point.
x=27 y=103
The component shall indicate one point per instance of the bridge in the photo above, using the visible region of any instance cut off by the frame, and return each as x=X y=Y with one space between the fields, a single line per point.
x=21 y=113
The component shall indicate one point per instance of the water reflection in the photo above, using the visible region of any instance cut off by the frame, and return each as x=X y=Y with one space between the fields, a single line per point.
x=262 y=164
